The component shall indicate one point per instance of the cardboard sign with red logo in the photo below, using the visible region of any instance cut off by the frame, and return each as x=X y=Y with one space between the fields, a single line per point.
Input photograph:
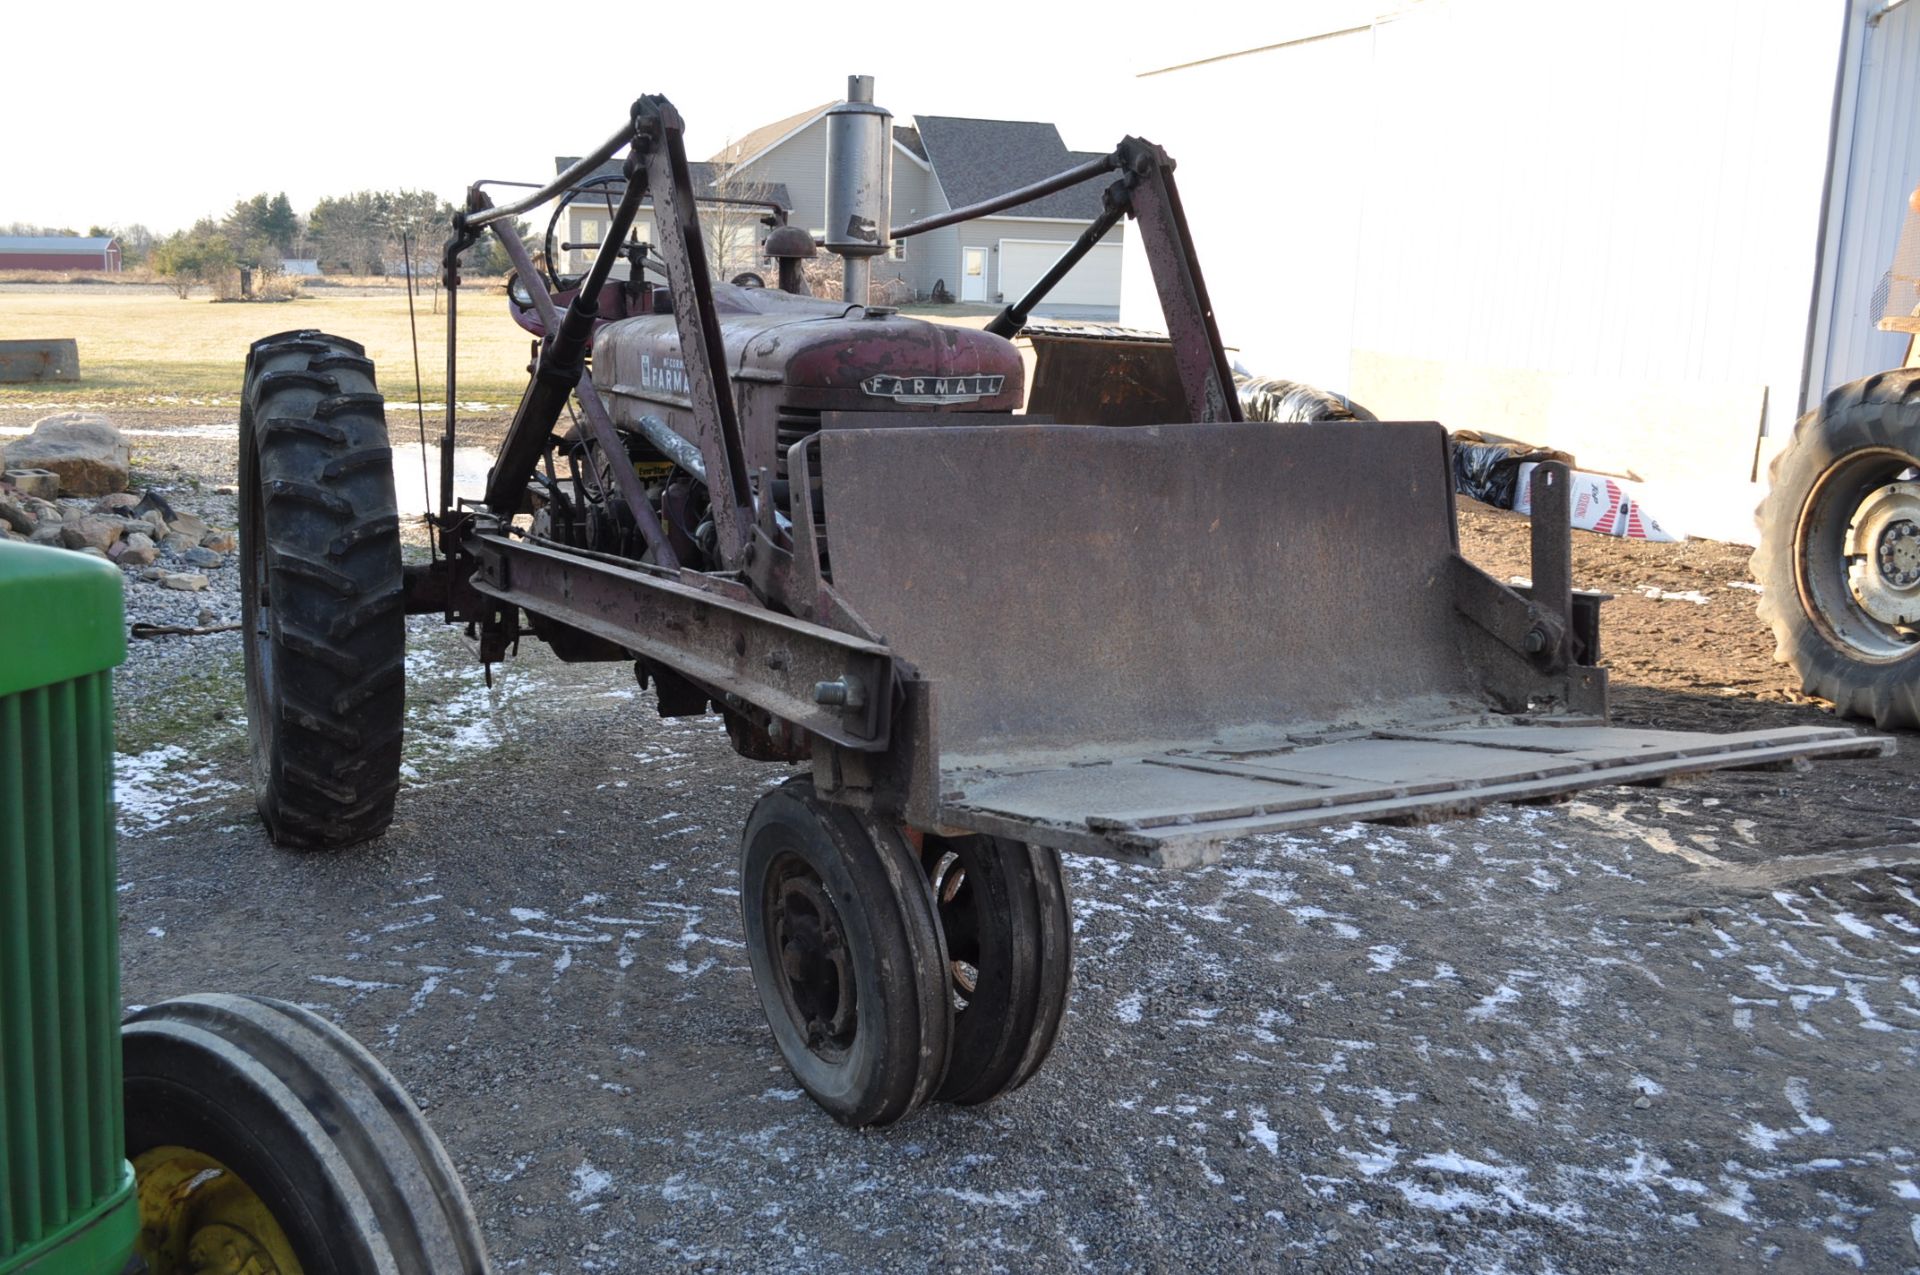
x=1605 y=505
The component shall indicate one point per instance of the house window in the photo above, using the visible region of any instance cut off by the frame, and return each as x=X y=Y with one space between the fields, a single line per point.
x=897 y=250
x=590 y=232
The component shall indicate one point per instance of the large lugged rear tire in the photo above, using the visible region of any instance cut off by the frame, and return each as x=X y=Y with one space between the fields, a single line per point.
x=321 y=597
x=265 y=1138
x=1839 y=556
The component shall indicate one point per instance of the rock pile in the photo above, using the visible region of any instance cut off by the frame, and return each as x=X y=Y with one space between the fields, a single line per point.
x=87 y=458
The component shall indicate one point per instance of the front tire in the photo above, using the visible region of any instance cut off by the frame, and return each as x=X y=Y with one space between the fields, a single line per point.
x=265 y=1138
x=322 y=604
x=1839 y=556
x=1009 y=935
x=846 y=956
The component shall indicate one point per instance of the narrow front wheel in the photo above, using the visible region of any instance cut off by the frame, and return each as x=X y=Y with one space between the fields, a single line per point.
x=846 y=956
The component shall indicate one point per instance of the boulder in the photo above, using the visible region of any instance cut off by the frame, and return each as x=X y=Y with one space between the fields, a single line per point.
x=95 y=552
x=218 y=541
x=92 y=531
x=186 y=582
x=175 y=543
x=137 y=550
x=206 y=559
x=117 y=503
x=47 y=535
x=83 y=449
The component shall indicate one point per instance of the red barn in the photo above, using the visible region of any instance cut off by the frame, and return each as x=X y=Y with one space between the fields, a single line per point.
x=58 y=252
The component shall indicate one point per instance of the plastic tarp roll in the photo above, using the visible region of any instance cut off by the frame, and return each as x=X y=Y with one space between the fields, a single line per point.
x=1487 y=467
x=1272 y=398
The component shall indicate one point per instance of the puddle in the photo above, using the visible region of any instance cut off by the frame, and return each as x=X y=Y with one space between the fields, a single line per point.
x=225 y=429
x=470 y=466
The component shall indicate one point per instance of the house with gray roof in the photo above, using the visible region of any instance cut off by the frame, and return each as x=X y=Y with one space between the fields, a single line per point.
x=942 y=162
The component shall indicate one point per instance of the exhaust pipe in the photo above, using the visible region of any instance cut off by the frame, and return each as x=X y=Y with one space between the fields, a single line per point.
x=859 y=184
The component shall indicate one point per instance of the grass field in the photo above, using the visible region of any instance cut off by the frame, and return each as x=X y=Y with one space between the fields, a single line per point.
x=149 y=348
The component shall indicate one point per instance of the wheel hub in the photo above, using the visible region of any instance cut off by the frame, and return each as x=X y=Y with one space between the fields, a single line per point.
x=1898 y=554
x=1883 y=553
x=816 y=962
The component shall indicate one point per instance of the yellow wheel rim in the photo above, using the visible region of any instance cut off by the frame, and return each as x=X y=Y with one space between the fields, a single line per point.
x=198 y=1217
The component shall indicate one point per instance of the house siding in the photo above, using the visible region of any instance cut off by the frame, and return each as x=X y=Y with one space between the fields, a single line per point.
x=801 y=163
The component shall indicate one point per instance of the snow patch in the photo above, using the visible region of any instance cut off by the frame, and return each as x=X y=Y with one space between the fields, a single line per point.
x=589 y=1182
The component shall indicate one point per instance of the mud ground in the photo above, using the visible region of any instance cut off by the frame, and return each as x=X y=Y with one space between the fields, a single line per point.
x=1650 y=1029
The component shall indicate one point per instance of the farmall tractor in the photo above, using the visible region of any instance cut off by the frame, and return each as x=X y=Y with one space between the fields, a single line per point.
x=977 y=638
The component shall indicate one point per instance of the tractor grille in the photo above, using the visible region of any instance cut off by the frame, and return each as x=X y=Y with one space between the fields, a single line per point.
x=60 y=1108
x=791 y=425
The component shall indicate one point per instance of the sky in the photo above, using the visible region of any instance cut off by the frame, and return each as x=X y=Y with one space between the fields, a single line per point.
x=163 y=114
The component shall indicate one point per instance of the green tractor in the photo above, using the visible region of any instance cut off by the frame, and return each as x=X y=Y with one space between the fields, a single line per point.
x=210 y=1133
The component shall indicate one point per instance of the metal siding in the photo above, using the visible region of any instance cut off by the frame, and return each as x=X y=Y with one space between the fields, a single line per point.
x=1589 y=224
x=1609 y=252
x=54 y=261
x=1882 y=165
x=1272 y=149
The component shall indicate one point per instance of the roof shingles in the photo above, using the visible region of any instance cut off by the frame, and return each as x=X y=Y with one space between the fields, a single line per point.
x=978 y=159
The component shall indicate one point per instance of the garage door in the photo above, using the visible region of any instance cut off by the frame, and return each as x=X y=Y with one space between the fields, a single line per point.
x=1094 y=282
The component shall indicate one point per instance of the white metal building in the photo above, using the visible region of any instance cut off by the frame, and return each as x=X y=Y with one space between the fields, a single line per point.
x=1643 y=231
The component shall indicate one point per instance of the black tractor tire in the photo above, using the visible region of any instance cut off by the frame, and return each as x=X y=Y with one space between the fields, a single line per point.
x=311 y=1126
x=1009 y=933
x=1851 y=462
x=322 y=605
x=846 y=956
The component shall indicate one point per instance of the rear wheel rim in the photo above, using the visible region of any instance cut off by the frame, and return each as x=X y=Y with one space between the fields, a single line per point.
x=1856 y=554
x=198 y=1216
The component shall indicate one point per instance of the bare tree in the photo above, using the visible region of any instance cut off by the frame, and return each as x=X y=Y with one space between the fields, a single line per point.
x=732 y=232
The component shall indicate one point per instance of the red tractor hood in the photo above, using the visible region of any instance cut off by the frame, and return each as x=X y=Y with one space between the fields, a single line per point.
x=822 y=354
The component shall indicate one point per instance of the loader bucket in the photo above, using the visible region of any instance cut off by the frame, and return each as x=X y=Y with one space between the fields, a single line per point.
x=1142 y=642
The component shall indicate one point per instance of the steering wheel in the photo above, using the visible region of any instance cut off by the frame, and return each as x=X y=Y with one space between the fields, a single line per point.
x=563 y=282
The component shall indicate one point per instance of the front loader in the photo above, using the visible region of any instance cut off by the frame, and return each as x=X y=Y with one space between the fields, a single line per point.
x=979 y=638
